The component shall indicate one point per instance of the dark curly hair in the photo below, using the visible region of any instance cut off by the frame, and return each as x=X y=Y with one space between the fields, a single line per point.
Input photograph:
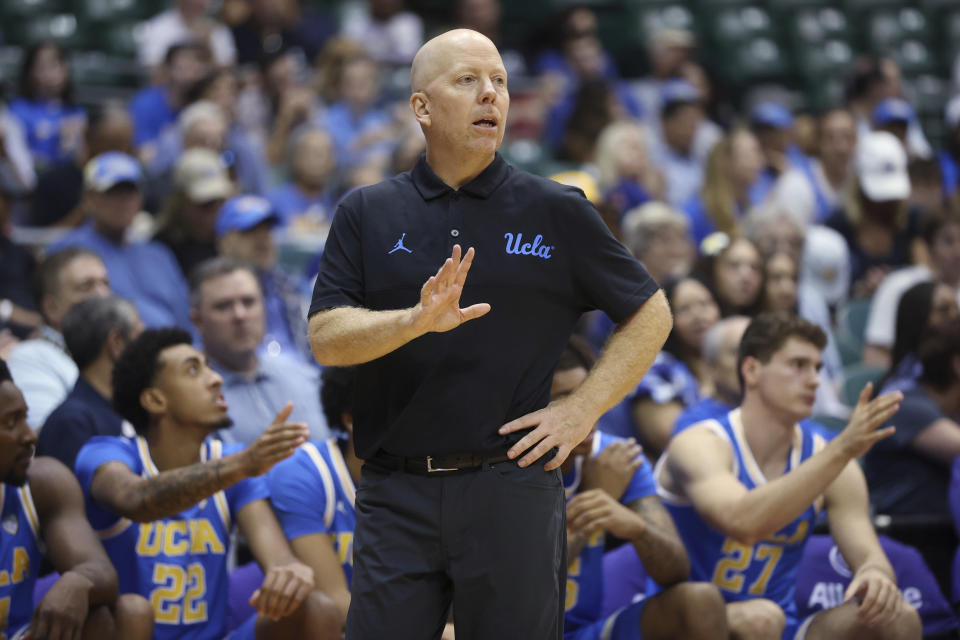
x=337 y=392
x=136 y=370
x=768 y=332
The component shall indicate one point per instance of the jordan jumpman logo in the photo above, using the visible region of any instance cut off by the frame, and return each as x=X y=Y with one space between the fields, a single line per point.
x=399 y=245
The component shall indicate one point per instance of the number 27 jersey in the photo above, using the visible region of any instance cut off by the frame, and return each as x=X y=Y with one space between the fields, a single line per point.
x=768 y=569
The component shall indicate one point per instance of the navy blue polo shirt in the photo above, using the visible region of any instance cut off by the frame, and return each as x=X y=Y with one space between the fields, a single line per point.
x=83 y=414
x=543 y=257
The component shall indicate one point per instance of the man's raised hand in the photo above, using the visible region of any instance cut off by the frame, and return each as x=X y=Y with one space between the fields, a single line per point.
x=439 y=307
x=277 y=443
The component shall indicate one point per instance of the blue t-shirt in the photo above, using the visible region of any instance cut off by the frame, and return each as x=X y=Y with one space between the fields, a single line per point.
x=668 y=380
x=179 y=564
x=290 y=203
x=584 y=595
x=20 y=557
x=346 y=128
x=767 y=569
x=824 y=577
x=312 y=492
x=151 y=112
x=146 y=273
x=54 y=130
x=710 y=408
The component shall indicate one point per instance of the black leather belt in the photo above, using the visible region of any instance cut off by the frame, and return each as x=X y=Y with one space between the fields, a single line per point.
x=435 y=465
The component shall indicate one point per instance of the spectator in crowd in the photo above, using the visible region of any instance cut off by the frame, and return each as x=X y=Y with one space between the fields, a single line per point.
x=719 y=352
x=205 y=124
x=244 y=233
x=659 y=237
x=185 y=20
x=813 y=191
x=611 y=491
x=673 y=151
x=96 y=331
x=228 y=310
x=679 y=376
x=187 y=223
x=923 y=307
x=780 y=286
x=668 y=50
x=154 y=108
x=627 y=177
x=362 y=132
x=17 y=266
x=733 y=271
x=894 y=116
x=591 y=110
x=313 y=492
x=941 y=235
x=15 y=152
x=57 y=198
x=733 y=171
x=54 y=124
x=774 y=126
x=949 y=156
x=909 y=473
x=881 y=231
x=275 y=25
x=551 y=62
x=589 y=89
x=42 y=509
x=872 y=79
x=146 y=273
x=306 y=203
x=175 y=478
x=44 y=371
x=825 y=265
x=390 y=34
x=747 y=487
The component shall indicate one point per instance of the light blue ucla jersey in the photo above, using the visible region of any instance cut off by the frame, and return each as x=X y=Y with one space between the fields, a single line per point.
x=584 y=595
x=21 y=553
x=768 y=569
x=179 y=563
x=312 y=492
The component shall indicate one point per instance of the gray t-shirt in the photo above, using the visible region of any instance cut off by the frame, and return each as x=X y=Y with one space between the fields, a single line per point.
x=902 y=480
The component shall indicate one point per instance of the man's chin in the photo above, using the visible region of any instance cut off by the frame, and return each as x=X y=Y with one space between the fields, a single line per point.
x=224 y=423
x=15 y=479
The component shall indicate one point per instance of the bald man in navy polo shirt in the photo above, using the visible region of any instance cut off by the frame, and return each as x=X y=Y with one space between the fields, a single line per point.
x=461 y=501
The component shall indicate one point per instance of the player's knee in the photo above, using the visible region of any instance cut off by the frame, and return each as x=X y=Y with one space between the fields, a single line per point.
x=134 y=617
x=907 y=626
x=321 y=617
x=702 y=610
x=99 y=624
x=761 y=620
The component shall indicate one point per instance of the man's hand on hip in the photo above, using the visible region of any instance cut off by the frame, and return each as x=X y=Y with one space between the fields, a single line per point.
x=439 y=307
x=560 y=424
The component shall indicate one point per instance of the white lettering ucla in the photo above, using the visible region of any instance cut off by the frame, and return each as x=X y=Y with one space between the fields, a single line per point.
x=827 y=595
x=517 y=247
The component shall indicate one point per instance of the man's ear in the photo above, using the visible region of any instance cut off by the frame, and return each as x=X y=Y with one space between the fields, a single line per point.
x=750 y=370
x=153 y=400
x=420 y=106
x=347 y=419
x=114 y=345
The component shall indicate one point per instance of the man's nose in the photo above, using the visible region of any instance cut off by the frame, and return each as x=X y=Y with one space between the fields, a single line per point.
x=488 y=92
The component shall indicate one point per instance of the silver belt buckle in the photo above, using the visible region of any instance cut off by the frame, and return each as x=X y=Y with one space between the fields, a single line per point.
x=431 y=468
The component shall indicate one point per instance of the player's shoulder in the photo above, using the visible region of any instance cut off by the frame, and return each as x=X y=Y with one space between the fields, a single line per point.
x=110 y=444
x=549 y=192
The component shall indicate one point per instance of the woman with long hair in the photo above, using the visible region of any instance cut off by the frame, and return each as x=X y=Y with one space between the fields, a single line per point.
x=732 y=269
x=924 y=306
x=733 y=167
x=54 y=124
x=679 y=377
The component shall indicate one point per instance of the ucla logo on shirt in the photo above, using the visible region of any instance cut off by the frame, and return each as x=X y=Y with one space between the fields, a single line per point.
x=517 y=247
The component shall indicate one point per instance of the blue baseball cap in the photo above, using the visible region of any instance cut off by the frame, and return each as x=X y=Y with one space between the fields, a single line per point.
x=892 y=110
x=771 y=114
x=243 y=213
x=677 y=90
x=109 y=169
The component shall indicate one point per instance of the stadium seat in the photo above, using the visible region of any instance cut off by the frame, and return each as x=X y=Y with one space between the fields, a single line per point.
x=61 y=28
x=889 y=27
x=855 y=377
x=852 y=317
x=115 y=10
x=29 y=8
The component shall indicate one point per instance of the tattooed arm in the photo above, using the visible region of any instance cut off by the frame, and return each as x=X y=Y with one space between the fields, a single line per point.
x=659 y=546
x=118 y=489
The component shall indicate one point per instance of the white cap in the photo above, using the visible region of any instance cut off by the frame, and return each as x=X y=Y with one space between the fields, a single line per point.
x=825 y=265
x=881 y=164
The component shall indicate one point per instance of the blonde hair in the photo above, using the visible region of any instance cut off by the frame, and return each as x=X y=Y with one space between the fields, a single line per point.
x=717 y=194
